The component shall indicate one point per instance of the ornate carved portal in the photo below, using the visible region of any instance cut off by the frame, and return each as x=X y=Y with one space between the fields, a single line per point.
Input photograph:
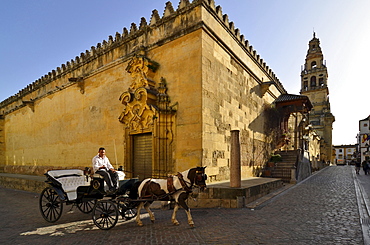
x=147 y=110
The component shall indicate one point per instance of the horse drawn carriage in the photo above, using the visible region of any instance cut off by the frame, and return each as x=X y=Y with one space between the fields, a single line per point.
x=88 y=193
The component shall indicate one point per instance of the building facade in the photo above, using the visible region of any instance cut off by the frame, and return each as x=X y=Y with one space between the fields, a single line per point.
x=161 y=97
x=363 y=139
x=314 y=84
x=344 y=154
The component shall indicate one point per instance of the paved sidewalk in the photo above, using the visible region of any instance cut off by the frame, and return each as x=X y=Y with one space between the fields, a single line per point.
x=362 y=184
x=320 y=210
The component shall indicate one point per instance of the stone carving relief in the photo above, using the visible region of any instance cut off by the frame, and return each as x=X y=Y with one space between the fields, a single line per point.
x=137 y=115
x=140 y=99
x=138 y=68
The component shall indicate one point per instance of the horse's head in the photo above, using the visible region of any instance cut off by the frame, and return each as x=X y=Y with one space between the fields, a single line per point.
x=198 y=177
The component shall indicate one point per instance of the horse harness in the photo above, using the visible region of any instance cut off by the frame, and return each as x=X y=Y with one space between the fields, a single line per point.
x=161 y=194
x=185 y=187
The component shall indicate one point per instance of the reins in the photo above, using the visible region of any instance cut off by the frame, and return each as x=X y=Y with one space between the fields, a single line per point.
x=183 y=183
x=186 y=186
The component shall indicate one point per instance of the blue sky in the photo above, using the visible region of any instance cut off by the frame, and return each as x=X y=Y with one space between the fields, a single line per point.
x=38 y=36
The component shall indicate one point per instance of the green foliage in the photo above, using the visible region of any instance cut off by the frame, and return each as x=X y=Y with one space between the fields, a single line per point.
x=275 y=158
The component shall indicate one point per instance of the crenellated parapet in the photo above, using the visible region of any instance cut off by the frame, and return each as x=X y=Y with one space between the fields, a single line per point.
x=146 y=34
x=224 y=20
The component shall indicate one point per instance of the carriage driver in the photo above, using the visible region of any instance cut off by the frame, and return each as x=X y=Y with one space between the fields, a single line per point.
x=102 y=166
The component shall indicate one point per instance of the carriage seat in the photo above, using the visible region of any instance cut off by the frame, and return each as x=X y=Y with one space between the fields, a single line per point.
x=70 y=179
x=121 y=175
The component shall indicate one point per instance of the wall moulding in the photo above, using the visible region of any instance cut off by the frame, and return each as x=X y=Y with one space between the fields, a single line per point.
x=30 y=104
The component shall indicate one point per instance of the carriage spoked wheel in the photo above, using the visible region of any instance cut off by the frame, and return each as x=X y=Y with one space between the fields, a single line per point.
x=130 y=213
x=86 y=207
x=105 y=214
x=127 y=210
x=51 y=207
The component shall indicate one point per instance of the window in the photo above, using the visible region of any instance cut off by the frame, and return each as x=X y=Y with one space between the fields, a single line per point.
x=305 y=85
x=340 y=150
x=313 y=64
x=313 y=81
x=315 y=123
x=321 y=82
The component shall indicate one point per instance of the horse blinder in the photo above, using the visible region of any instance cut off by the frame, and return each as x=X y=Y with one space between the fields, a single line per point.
x=200 y=179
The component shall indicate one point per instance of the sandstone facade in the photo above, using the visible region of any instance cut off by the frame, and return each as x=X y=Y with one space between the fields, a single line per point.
x=314 y=84
x=161 y=97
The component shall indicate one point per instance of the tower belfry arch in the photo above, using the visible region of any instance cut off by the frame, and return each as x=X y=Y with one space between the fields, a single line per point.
x=314 y=84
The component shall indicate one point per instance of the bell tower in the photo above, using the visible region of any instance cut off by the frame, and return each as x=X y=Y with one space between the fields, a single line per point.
x=314 y=84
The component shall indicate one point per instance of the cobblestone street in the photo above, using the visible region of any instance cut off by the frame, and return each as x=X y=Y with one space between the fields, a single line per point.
x=323 y=209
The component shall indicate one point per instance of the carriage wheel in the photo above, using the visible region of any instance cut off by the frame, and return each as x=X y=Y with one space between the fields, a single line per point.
x=86 y=207
x=127 y=210
x=51 y=207
x=105 y=214
x=130 y=213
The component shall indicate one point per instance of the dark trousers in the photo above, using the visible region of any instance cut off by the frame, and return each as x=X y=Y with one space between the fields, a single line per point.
x=110 y=177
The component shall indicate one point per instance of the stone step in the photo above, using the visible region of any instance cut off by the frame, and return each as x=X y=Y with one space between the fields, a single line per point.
x=286 y=159
x=293 y=157
x=283 y=169
x=287 y=154
x=23 y=182
x=221 y=195
x=284 y=173
x=286 y=165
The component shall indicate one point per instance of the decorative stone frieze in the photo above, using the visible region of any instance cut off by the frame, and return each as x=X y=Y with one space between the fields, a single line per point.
x=143 y=101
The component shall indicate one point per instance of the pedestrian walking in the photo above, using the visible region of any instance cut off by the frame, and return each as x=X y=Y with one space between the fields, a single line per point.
x=365 y=166
x=357 y=166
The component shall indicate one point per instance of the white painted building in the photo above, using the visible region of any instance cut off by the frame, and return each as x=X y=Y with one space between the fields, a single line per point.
x=344 y=154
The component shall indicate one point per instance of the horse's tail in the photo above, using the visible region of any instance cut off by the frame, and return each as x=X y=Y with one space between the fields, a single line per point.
x=134 y=192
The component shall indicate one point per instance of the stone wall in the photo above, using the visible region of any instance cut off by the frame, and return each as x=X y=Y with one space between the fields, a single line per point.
x=61 y=119
x=233 y=97
x=2 y=142
x=215 y=81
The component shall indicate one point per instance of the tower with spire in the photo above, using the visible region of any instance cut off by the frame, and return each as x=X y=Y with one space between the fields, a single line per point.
x=314 y=84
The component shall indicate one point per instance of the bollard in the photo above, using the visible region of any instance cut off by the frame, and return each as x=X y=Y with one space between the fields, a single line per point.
x=235 y=169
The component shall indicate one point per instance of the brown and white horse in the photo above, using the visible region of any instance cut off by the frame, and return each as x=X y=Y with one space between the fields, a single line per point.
x=175 y=188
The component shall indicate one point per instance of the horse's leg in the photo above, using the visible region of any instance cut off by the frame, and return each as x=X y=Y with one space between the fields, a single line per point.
x=182 y=198
x=190 y=218
x=151 y=214
x=138 y=221
x=173 y=219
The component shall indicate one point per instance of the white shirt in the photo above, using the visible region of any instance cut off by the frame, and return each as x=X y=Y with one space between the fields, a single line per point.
x=98 y=162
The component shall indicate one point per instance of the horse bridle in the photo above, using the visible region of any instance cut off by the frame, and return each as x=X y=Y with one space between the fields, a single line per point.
x=199 y=175
x=183 y=183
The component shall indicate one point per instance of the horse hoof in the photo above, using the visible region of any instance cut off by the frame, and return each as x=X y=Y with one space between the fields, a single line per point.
x=140 y=225
x=192 y=226
x=152 y=221
x=176 y=223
